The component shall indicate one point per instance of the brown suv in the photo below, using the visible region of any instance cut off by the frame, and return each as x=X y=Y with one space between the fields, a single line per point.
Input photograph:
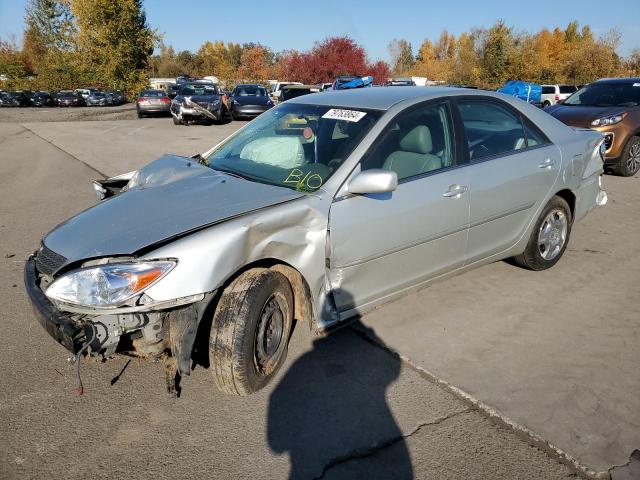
x=610 y=106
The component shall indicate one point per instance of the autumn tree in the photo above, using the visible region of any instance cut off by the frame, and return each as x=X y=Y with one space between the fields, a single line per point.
x=254 y=65
x=114 y=41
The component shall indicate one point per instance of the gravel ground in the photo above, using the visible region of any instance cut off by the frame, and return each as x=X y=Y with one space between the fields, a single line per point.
x=54 y=114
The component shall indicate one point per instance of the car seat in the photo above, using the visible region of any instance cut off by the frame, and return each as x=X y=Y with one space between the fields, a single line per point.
x=415 y=154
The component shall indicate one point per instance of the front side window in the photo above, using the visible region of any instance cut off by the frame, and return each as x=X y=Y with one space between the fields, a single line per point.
x=491 y=129
x=417 y=142
x=295 y=146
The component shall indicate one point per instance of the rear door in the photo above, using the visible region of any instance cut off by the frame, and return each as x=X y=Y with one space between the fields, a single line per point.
x=512 y=167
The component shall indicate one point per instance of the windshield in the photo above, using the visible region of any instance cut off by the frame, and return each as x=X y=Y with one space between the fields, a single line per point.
x=98 y=94
x=152 y=93
x=607 y=95
x=250 y=91
x=198 y=90
x=289 y=93
x=294 y=146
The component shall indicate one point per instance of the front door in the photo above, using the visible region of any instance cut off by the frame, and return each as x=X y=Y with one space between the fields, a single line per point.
x=383 y=243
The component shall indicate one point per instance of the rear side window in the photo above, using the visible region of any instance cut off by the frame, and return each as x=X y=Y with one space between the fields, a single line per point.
x=548 y=90
x=567 y=89
x=491 y=129
x=534 y=136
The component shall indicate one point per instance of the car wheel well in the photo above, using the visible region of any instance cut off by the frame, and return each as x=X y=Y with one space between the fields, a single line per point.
x=570 y=198
x=303 y=310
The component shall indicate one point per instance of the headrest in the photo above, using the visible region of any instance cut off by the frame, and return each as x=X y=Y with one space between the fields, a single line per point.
x=418 y=140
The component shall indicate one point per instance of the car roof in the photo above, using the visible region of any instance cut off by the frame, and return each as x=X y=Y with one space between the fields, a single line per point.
x=377 y=98
x=618 y=81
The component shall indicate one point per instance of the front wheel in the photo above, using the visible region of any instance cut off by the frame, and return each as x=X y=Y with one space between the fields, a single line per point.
x=176 y=120
x=629 y=163
x=250 y=331
x=549 y=237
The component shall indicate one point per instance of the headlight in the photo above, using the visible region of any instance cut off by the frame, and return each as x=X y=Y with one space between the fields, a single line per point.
x=612 y=120
x=107 y=285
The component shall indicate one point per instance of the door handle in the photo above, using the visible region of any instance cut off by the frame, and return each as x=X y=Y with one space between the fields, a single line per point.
x=548 y=163
x=455 y=191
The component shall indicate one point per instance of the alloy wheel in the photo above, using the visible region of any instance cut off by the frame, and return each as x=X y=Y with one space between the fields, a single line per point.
x=553 y=234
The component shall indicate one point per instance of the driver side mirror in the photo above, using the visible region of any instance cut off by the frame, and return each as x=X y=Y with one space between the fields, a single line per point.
x=373 y=181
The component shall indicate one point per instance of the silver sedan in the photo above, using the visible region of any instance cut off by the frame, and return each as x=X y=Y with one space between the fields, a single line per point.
x=317 y=211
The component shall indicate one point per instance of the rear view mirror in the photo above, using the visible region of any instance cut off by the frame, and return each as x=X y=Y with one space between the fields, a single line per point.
x=373 y=181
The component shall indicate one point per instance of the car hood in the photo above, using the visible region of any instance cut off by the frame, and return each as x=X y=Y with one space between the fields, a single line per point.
x=251 y=100
x=174 y=196
x=577 y=116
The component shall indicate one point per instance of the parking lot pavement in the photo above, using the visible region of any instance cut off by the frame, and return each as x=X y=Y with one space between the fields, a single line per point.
x=341 y=407
x=118 y=146
x=558 y=351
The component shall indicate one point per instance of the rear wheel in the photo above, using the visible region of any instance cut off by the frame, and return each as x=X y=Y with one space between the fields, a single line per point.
x=629 y=162
x=549 y=237
x=250 y=331
x=546 y=103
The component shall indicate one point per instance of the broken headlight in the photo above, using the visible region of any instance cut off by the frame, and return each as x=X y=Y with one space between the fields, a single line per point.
x=107 y=285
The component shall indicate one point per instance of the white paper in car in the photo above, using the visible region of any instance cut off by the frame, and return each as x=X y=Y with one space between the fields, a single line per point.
x=347 y=115
x=636 y=84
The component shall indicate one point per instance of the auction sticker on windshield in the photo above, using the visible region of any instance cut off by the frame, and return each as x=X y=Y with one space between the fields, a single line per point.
x=348 y=115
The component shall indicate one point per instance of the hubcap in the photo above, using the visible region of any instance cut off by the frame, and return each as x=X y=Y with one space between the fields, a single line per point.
x=633 y=162
x=269 y=336
x=553 y=234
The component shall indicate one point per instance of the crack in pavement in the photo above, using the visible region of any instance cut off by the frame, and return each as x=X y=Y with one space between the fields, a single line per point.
x=64 y=151
x=370 y=451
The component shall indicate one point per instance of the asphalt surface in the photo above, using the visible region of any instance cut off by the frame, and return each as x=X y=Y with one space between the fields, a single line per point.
x=342 y=407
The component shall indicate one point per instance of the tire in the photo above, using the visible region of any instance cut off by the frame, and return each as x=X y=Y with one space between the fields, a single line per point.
x=629 y=162
x=140 y=115
x=546 y=104
x=176 y=120
x=255 y=307
x=556 y=220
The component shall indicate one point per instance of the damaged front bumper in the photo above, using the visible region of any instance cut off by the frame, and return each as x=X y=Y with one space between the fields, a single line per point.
x=169 y=332
x=61 y=326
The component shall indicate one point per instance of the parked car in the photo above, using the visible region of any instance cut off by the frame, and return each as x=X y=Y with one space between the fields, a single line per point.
x=41 y=99
x=277 y=88
x=85 y=92
x=153 y=102
x=292 y=91
x=552 y=94
x=306 y=215
x=117 y=96
x=612 y=107
x=69 y=98
x=172 y=91
x=16 y=99
x=197 y=102
x=249 y=101
x=99 y=99
x=401 y=82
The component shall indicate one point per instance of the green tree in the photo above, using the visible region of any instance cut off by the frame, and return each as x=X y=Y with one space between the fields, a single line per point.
x=114 y=41
x=401 y=56
x=496 y=52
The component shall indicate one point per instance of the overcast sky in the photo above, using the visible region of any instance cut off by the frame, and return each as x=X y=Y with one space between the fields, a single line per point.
x=288 y=24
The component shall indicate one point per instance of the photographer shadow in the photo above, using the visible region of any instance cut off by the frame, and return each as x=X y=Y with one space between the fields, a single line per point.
x=329 y=408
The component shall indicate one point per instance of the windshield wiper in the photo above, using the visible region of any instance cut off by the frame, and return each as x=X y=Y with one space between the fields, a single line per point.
x=231 y=173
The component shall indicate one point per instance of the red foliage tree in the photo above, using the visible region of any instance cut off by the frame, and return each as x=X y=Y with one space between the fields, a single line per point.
x=328 y=59
x=380 y=71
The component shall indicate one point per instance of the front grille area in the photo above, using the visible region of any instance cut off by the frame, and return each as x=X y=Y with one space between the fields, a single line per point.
x=48 y=261
x=608 y=140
